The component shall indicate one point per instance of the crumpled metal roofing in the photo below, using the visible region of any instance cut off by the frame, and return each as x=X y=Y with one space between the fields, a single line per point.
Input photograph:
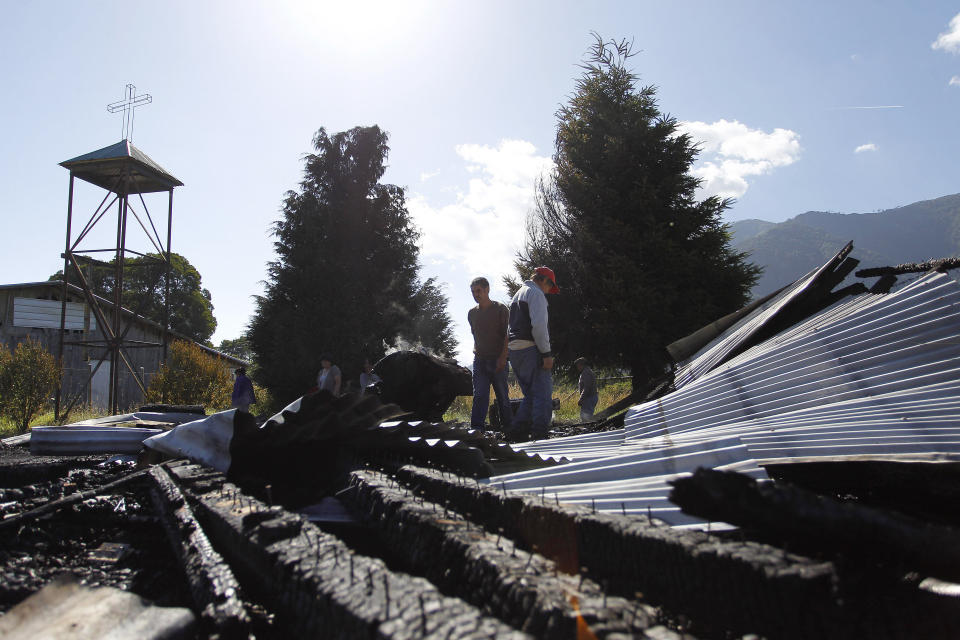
x=872 y=376
x=718 y=350
x=229 y=441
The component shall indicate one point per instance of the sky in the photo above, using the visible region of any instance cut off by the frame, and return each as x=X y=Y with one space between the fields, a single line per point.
x=850 y=107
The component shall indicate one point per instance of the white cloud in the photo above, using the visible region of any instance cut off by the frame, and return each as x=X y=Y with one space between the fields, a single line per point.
x=866 y=147
x=426 y=175
x=949 y=40
x=482 y=230
x=730 y=152
x=954 y=81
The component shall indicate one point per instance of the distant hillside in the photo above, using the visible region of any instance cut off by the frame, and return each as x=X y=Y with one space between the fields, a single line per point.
x=913 y=233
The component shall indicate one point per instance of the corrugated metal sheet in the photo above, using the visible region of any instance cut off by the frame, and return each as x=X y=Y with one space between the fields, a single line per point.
x=871 y=345
x=873 y=376
x=716 y=351
x=67 y=441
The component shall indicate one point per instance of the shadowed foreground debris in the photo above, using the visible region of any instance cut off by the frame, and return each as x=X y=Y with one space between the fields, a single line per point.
x=349 y=518
x=422 y=384
x=800 y=517
x=66 y=609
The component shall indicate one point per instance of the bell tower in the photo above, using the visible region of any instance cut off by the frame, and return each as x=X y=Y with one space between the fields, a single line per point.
x=125 y=174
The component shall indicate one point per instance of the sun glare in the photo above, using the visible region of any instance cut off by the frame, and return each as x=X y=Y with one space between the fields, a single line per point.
x=353 y=24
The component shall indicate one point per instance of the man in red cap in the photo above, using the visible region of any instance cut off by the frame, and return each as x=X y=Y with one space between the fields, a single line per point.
x=530 y=354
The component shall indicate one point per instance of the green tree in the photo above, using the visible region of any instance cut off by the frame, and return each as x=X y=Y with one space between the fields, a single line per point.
x=191 y=308
x=238 y=348
x=26 y=380
x=345 y=280
x=639 y=260
x=430 y=324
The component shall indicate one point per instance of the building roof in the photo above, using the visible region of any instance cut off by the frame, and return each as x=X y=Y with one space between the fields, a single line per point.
x=147 y=321
x=121 y=168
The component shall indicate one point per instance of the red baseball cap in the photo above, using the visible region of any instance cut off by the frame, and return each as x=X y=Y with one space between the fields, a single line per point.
x=547 y=271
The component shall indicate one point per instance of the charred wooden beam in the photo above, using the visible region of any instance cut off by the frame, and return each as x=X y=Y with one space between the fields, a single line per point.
x=728 y=586
x=213 y=587
x=801 y=517
x=317 y=585
x=523 y=588
x=941 y=264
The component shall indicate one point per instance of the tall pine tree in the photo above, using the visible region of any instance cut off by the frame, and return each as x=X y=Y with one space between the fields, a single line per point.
x=345 y=279
x=639 y=260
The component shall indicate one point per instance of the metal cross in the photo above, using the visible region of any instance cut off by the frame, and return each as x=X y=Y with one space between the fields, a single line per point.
x=128 y=105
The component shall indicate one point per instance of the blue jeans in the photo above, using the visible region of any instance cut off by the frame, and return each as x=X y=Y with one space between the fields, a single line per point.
x=537 y=386
x=484 y=374
x=586 y=409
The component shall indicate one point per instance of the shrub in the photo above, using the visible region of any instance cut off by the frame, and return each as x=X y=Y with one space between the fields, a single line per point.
x=266 y=404
x=192 y=376
x=26 y=380
x=5 y=358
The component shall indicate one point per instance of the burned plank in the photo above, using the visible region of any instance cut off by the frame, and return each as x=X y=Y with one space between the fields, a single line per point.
x=523 y=588
x=318 y=586
x=798 y=516
x=941 y=264
x=213 y=587
x=727 y=586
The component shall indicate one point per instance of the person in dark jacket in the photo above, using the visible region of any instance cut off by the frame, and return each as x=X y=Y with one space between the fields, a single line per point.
x=530 y=355
x=243 y=395
x=587 y=385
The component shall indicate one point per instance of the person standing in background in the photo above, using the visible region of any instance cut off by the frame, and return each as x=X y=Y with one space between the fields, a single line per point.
x=488 y=323
x=329 y=377
x=243 y=395
x=587 y=385
x=530 y=354
x=367 y=376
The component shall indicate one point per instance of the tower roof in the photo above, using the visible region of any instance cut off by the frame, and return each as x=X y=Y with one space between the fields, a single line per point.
x=121 y=168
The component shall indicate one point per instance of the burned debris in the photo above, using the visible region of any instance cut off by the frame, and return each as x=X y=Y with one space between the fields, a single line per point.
x=794 y=477
x=422 y=384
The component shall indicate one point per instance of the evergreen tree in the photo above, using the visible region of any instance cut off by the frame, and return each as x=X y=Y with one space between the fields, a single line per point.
x=345 y=278
x=430 y=326
x=639 y=260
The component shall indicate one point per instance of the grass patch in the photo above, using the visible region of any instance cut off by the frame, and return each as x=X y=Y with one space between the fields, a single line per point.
x=611 y=391
x=8 y=428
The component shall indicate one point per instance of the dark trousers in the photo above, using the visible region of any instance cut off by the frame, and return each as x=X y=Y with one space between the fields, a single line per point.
x=537 y=386
x=485 y=374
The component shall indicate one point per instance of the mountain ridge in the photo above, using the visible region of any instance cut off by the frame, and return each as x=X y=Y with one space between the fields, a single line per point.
x=923 y=230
